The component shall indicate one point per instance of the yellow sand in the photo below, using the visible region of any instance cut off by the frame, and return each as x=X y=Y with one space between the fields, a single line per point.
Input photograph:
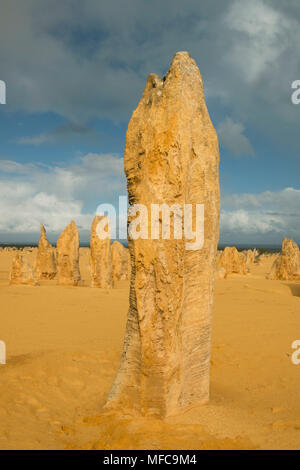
x=64 y=346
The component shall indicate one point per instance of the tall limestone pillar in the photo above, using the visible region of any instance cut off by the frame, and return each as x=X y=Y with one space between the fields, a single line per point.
x=67 y=256
x=171 y=157
x=45 y=267
x=101 y=258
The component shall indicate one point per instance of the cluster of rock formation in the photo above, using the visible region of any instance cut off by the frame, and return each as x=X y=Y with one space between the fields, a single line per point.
x=287 y=265
x=109 y=264
x=8 y=249
x=232 y=261
x=45 y=265
x=171 y=156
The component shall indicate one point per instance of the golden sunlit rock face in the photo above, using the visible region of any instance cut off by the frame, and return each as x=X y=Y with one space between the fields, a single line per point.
x=171 y=156
x=250 y=257
x=45 y=267
x=101 y=261
x=120 y=262
x=232 y=261
x=67 y=256
x=287 y=266
x=22 y=272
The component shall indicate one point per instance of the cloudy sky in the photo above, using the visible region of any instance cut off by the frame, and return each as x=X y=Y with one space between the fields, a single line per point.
x=75 y=71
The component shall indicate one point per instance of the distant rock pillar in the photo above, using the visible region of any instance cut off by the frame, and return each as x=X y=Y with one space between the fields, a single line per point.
x=22 y=272
x=120 y=262
x=67 y=256
x=2 y=352
x=232 y=261
x=101 y=259
x=45 y=267
x=287 y=265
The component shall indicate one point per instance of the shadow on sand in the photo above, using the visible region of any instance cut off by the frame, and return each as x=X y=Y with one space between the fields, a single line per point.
x=295 y=289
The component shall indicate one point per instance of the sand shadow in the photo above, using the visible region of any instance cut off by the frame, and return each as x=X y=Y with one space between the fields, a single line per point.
x=23 y=359
x=295 y=289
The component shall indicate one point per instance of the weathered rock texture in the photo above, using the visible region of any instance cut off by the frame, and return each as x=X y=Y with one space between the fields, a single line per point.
x=220 y=273
x=101 y=261
x=22 y=272
x=67 y=256
x=120 y=262
x=250 y=257
x=45 y=267
x=171 y=156
x=287 y=265
x=243 y=263
x=232 y=261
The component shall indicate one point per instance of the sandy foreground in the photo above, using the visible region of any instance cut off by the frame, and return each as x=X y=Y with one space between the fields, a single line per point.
x=63 y=351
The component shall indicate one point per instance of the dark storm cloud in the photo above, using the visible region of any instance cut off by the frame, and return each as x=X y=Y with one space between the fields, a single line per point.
x=86 y=59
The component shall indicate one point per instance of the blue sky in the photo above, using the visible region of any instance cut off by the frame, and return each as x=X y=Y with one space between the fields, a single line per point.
x=75 y=75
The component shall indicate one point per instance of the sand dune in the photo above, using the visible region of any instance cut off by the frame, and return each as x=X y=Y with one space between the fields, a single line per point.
x=64 y=346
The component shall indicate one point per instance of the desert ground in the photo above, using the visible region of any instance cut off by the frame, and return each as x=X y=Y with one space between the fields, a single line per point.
x=63 y=351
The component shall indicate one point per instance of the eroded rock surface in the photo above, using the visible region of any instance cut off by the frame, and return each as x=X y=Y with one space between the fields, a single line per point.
x=220 y=273
x=101 y=259
x=232 y=261
x=67 y=256
x=286 y=267
x=45 y=267
x=120 y=262
x=22 y=272
x=171 y=156
x=250 y=257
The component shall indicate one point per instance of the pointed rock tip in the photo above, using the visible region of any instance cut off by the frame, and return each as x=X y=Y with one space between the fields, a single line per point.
x=182 y=55
x=184 y=68
x=182 y=65
x=182 y=58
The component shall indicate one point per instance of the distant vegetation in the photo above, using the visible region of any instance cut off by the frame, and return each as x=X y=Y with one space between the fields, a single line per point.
x=260 y=249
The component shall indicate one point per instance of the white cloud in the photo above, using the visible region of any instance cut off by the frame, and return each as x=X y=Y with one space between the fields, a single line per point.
x=249 y=223
x=32 y=194
x=232 y=138
x=25 y=214
x=286 y=201
x=262 y=31
x=264 y=217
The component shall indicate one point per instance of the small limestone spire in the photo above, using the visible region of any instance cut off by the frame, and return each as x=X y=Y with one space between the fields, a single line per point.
x=45 y=267
x=67 y=256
